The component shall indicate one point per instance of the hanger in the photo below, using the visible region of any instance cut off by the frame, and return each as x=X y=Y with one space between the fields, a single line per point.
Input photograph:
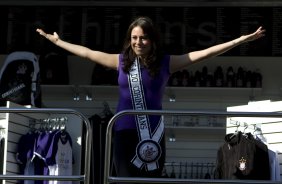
x=106 y=110
x=192 y=170
x=31 y=125
x=208 y=173
x=236 y=131
x=172 y=174
x=186 y=171
x=246 y=126
x=164 y=173
x=2 y=131
x=259 y=134
x=180 y=170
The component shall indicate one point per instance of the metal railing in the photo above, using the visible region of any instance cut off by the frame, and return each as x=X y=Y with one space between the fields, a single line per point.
x=85 y=177
x=111 y=179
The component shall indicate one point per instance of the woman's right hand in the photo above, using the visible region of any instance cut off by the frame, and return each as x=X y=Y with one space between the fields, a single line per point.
x=52 y=37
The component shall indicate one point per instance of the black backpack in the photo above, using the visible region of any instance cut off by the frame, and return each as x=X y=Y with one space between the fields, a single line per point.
x=19 y=79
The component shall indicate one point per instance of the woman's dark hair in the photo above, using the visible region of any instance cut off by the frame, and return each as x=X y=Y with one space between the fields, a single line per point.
x=153 y=60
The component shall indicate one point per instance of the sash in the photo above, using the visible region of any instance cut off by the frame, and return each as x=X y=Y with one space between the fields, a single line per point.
x=148 y=150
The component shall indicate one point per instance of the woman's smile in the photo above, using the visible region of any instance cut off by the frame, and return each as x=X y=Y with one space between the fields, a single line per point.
x=140 y=43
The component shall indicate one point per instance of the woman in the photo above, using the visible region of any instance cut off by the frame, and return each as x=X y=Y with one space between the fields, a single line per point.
x=143 y=74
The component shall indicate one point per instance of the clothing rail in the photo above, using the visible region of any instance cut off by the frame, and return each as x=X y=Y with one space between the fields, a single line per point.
x=110 y=179
x=85 y=176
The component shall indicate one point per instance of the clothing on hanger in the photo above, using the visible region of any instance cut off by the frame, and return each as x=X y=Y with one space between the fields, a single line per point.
x=242 y=157
x=273 y=156
x=99 y=123
x=46 y=150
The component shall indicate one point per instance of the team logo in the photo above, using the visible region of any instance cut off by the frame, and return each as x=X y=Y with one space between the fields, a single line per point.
x=22 y=69
x=242 y=163
x=148 y=151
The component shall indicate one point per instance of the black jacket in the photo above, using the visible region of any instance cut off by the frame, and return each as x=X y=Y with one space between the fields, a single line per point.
x=242 y=157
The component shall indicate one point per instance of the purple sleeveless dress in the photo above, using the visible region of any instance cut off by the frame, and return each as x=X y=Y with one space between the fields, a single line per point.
x=153 y=93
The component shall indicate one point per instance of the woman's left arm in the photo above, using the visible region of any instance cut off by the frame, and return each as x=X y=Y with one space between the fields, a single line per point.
x=180 y=61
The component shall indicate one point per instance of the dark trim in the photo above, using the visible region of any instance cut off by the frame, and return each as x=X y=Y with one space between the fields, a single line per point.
x=170 y=3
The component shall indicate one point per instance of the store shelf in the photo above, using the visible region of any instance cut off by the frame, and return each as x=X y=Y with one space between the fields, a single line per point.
x=213 y=91
x=64 y=92
x=177 y=98
x=198 y=130
x=187 y=92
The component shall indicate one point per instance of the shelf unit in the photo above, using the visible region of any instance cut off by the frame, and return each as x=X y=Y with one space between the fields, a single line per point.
x=66 y=91
x=186 y=143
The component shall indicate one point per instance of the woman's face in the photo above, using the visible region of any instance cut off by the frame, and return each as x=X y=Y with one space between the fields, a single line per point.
x=140 y=43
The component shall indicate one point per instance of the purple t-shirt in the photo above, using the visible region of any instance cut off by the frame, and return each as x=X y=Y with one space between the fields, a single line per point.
x=153 y=93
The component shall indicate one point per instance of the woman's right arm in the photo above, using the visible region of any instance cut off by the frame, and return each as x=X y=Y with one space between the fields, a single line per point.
x=105 y=59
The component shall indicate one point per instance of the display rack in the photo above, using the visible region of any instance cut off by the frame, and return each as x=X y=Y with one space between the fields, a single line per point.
x=37 y=112
x=112 y=179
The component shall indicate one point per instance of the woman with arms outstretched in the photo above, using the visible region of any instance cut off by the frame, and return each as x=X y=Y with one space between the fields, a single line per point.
x=143 y=72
